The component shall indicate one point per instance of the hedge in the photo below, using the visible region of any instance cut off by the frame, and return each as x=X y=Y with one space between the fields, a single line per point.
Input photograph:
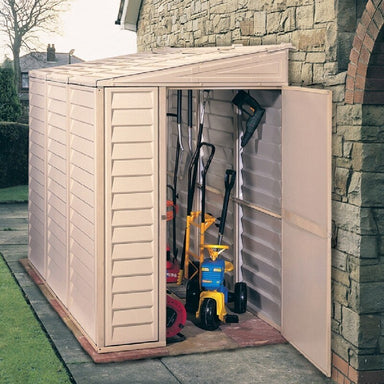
x=13 y=154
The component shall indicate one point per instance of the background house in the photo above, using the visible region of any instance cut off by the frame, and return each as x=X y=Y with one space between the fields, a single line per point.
x=339 y=47
x=37 y=60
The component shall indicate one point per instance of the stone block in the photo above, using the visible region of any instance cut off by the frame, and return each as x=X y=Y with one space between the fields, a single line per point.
x=333 y=79
x=337 y=308
x=288 y=20
x=348 y=242
x=341 y=276
x=349 y=114
x=247 y=27
x=350 y=326
x=339 y=260
x=220 y=24
x=348 y=149
x=337 y=145
x=371 y=221
x=307 y=74
x=273 y=22
x=354 y=296
x=373 y=115
x=357 y=156
x=346 y=216
x=341 y=180
x=318 y=73
x=224 y=39
x=309 y=40
x=372 y=186
x=373 y=157
x=371 y=273
x=260 y=26
x=338 y=93
x=370 y=362
x=372 y=133
x=371 y=297
x=269 y=39
x=340 y=293
x=305 y=16
x=283 y=38
x=297 y=56
x=349 y=132
x=335 y=326
x=369 y=247
x=315 y=57
x=324 y=11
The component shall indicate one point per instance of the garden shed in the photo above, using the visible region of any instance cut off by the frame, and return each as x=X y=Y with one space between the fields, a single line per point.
x=101 y=155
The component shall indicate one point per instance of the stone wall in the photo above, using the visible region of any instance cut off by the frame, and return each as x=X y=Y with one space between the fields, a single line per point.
x=358 y=214
x=323 y=32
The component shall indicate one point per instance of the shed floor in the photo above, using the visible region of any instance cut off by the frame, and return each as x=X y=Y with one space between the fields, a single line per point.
x=251 y=331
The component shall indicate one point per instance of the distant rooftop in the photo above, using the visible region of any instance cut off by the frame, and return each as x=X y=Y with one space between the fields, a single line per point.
x=49 y=58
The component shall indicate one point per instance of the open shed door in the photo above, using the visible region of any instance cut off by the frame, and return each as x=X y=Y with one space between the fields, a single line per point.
x=306 y=223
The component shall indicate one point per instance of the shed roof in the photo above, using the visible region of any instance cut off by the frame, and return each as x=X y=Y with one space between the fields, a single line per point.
x=265 y=65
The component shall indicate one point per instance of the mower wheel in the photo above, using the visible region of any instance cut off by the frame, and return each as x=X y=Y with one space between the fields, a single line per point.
x=208 y=316
x=240 y=298
x=192 y=296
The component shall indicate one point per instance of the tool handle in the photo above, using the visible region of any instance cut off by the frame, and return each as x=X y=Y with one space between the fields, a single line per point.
x=204 y=175
x=179 y=101
x=230 y=178
x=190 y=108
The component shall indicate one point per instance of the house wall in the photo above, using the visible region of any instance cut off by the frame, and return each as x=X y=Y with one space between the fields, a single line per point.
x=333 y=43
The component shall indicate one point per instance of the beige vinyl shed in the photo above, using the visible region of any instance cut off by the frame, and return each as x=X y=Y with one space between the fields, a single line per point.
x=98 y=171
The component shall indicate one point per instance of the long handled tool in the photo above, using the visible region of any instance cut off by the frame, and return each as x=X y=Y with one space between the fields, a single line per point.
x=192 y=174
x=172 y=267
x=190 y=260
x=247 y=104
x=229 y=182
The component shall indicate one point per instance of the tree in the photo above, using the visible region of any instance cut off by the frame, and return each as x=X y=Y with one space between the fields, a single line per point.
x=10 y=107
x=21 y=20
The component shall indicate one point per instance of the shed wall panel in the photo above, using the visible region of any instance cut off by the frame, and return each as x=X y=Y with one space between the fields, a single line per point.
x=37 y=184
x=82 y=207
x=261 y=188
x=132 y=192
x=57 y=255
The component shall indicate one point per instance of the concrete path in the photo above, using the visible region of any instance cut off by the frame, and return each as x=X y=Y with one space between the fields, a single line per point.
x=280 y=364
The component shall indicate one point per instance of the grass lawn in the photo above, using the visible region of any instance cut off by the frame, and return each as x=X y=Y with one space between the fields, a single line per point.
x=26 y=355
x=18 y=194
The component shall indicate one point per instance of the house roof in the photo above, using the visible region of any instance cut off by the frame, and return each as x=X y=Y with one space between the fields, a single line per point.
x=36 y=60
x=265 y=65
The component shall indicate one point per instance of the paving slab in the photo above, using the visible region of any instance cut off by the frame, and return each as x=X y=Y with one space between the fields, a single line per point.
x=132 y=372
x=268 y=364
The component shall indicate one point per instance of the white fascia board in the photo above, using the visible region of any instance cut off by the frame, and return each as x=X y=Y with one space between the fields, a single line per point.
x=130 y=14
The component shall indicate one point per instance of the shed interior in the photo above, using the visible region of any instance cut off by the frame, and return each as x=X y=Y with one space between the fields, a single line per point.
x=253 y=226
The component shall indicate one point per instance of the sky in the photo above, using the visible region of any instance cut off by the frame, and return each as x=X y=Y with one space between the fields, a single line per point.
x=89 y=28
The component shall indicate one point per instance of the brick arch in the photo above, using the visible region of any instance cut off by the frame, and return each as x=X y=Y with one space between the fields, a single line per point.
x=372 y=21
